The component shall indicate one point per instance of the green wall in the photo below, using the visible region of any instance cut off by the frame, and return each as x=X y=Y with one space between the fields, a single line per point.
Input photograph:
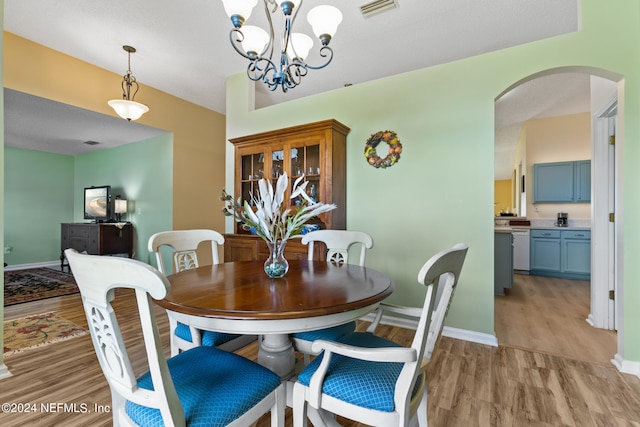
x=43 y=190
x=441 y=191
x=38 y=196
x=142 y=173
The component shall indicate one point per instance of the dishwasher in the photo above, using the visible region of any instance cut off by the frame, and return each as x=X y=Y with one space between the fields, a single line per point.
x=520 y=250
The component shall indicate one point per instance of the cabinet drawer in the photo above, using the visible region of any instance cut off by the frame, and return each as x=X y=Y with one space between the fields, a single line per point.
x=577 y=234
x=79 y=231
x=547 y=234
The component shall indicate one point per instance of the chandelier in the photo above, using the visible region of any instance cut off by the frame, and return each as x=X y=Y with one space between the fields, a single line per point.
x=126 y=107
x=257 y=45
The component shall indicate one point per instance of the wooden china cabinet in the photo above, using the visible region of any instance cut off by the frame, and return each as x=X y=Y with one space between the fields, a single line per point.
x=315 y=150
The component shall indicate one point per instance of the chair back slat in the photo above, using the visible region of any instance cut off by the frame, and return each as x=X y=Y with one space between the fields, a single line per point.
x=338 y=243
x=184 y=244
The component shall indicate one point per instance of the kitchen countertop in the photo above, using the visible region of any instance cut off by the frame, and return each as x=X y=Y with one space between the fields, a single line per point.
x=561 y=228
x=501 y=225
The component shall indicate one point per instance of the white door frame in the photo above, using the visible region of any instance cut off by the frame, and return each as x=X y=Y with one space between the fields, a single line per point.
x=605 y=275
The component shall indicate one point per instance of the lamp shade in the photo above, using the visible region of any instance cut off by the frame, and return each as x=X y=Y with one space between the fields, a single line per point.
x=129 y=110
x=300 y=45
x=120 y=206
x=324 y=20
x=255 y=39
x=239 y=7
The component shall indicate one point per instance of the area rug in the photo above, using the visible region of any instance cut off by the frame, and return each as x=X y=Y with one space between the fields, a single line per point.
x=36 y=284
x=38 y=330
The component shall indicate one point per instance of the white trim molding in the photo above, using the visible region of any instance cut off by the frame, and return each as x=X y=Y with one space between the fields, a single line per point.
x=52 y=264
x=626 y=366
x=4 y=372
x=447 y=331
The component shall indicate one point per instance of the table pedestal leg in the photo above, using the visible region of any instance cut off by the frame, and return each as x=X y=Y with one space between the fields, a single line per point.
x=276 y=353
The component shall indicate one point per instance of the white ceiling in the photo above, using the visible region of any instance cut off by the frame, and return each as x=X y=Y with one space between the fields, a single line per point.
x=183 y=49
x=35 y=123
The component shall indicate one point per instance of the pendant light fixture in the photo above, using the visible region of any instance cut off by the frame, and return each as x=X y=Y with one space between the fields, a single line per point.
x=126 y=107
x=257 y=45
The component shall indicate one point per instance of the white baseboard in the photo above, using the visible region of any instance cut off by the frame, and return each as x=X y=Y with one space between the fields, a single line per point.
x=626 y=366
x=4 y=372
x=53 y=264
x=459 y=334
x=471 y=336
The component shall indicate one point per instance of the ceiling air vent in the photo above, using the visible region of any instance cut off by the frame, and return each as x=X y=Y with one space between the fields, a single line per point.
x=377 y=6
x=91 y=142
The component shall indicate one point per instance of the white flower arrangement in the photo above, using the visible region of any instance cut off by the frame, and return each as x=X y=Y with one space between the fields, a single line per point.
x=269 y=220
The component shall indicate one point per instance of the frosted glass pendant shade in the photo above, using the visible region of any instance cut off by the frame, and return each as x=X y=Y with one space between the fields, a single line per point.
x=302 y=44
x=324 y=20
x=129 y=110
x=255 y=39
x=239 y=7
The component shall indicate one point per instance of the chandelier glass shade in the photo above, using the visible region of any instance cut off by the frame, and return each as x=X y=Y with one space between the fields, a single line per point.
x=258 y=46
x=126 y=107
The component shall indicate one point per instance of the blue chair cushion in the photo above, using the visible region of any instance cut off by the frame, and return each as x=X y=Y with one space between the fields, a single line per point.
x=215 y=387
x=366 y=384
x=209 y=338
x=329 y=334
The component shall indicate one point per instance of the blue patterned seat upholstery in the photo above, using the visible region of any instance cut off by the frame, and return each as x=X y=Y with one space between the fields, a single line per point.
x=209 y=338
x=329 y=334
x=207 y=383
x=367 y=384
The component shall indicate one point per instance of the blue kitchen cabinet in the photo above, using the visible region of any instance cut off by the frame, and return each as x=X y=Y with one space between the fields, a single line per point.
x=503 y=262
x=561 y=253
x=545 y=251
x=562 y=182
x=576 y=252
x=583 y=181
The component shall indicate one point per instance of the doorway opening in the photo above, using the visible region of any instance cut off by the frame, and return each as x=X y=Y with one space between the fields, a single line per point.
x=546 y=95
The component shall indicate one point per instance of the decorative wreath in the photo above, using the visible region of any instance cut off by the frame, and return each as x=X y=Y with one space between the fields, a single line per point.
x=395 y=148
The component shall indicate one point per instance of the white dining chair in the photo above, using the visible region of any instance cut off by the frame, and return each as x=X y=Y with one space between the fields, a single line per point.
x=338 y=244
x=184 y=245
x=200 y=386
x=375 y=381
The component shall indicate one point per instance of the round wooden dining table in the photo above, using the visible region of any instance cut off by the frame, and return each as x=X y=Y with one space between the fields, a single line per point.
x=239 y=298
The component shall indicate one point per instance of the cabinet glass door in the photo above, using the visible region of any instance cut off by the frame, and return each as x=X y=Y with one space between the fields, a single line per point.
x=305 y=160
x=277 y=166
x=252 y=170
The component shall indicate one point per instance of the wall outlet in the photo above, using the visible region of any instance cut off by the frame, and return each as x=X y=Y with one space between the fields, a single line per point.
x=8 y=249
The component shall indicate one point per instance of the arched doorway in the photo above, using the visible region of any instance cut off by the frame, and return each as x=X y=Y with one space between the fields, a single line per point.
x=550 y=93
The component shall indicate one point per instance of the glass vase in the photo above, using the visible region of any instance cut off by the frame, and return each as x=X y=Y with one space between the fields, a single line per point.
x=276 y=265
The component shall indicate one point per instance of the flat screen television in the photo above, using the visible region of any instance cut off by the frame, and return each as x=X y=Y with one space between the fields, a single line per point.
x=97 y=203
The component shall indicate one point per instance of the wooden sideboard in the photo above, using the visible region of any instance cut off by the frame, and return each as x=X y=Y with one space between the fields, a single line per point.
x=96 y=239
x=249 y=247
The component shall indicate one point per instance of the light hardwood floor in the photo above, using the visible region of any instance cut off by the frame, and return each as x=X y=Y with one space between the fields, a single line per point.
x=549 y=315
x=470 y=384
